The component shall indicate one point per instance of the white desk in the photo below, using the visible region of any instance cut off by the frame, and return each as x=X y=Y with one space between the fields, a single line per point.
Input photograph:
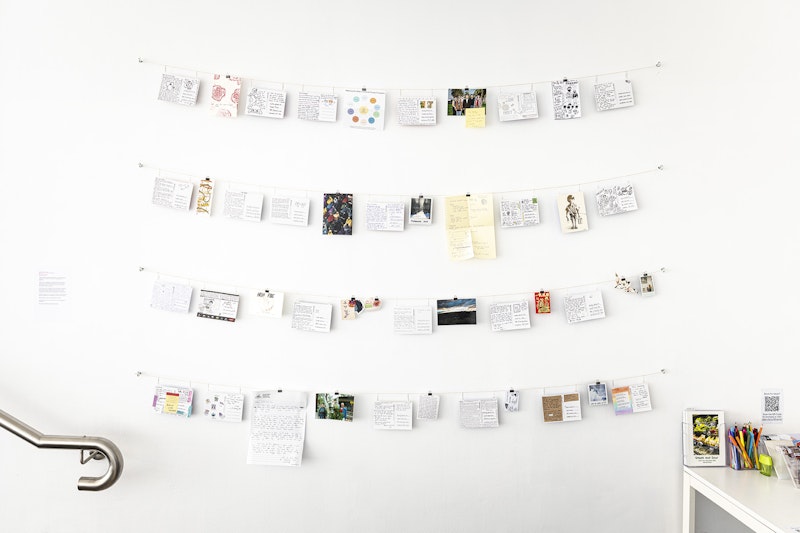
x=764 y=504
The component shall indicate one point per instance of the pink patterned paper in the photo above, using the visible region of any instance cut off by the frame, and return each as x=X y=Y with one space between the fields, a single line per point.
x=225 y=95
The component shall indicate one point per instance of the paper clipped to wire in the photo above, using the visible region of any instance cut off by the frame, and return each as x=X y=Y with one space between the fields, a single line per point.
x=277 y=428
x=365 y=109
x=613 y=95
x=264 y=102
x=519 y=213
x=225 y=95
x=428 y=407
x=413 y=319
x=243 y=205
x=631 y=399
x=517 y=106
x=173 y=400
x=174 y=297
x=416 y=111
x=508 y=316
x=317 y=107
x=392 y=415
x=178 y=89
x=385 y=216
x=566 y=99
x=292 y=211
x=480 y=413
x=580 y=307
x=470 y=226
x=175 y=194
x=561 y=407
x=310 y=316
x=223 y=406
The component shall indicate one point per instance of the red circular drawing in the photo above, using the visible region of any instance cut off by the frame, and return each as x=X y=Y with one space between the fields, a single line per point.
x=218 y=92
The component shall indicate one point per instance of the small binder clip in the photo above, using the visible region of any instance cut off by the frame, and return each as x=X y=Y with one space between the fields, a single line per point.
x=467 y=195
x=510 y=390
x=430 y=393
x=363 y=89
x=280 y=390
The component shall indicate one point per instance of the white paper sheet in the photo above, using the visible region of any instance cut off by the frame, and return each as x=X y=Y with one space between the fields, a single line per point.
x=174 y=194
x=205 y=193
x=225 y=96
x=173 y=400
x=416 y=111
x=584 y=306
x=517 y=106
x=772 y=406
x=244 y=205
x=616 y=199
x=172 y=297
x=277 y=428
x=566 y=99
x=52 y=289
x=640 y=398
x=218 y=305
x=307 y=316
x=317 y=107
x=479 y=413
x=223 y=406
x=413 y=320
x=289 y=210
x=428 y=407
x=392 y=415
x=263 y=102
x=519 y=213
x=365 y=109
x=178 y=89
x=509 y=316
x=270 y=304
x=385 y=216
x=613 y=95
x=512 y=401
x=421 y=211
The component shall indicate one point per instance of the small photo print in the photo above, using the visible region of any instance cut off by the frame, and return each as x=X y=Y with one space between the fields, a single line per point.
x=512 y=401
x=420 y=212
x=460 y=99
x=542 y=302
x=646 y=281
x=337 y=214
x=335 y=406
x=598 y=394
x=572 y=212
x=705 y=434
x=456 y=311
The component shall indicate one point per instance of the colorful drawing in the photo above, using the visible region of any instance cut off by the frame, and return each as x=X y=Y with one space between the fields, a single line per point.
x=337 y=214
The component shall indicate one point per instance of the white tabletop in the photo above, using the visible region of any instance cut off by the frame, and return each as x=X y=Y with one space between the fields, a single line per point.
x=774 y=503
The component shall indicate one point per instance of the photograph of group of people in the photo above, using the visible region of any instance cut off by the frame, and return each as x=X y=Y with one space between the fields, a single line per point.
x=460 y=99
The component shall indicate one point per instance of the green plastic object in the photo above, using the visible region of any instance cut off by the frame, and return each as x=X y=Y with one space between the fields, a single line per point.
x=765 y=461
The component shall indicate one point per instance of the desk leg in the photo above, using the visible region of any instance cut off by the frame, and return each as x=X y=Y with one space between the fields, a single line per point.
x=688 y=505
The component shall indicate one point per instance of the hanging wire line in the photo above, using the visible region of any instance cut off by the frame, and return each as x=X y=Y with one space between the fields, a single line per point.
x=383 y=297
x=362 y=87
x=160 y=379
x=199 y=177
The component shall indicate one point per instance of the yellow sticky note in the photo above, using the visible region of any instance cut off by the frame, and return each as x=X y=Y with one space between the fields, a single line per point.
x=171 y=403
x=476 y=117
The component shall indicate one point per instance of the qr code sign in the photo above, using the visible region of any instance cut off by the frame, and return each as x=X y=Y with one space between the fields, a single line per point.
x=772 y=404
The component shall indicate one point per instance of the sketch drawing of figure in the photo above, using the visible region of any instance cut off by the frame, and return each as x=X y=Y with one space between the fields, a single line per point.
x=573 y=212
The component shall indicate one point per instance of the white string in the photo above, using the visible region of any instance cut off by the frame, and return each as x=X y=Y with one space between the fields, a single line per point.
x=543 y=388
x=500 y=86
x=579 y=184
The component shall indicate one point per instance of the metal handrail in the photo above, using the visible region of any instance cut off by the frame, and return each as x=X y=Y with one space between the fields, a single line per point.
x=99 y=448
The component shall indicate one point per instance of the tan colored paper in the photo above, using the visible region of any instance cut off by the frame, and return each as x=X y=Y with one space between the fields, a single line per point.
x=552 y=408
x=476 y=117
x=470 y=227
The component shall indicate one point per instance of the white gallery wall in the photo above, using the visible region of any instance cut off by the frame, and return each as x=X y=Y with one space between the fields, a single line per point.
x=78 y=113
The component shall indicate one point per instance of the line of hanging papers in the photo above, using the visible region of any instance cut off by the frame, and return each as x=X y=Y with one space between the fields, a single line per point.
x=364 y=109
x=278 y=418
x=469 y=219
x=410 y=317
